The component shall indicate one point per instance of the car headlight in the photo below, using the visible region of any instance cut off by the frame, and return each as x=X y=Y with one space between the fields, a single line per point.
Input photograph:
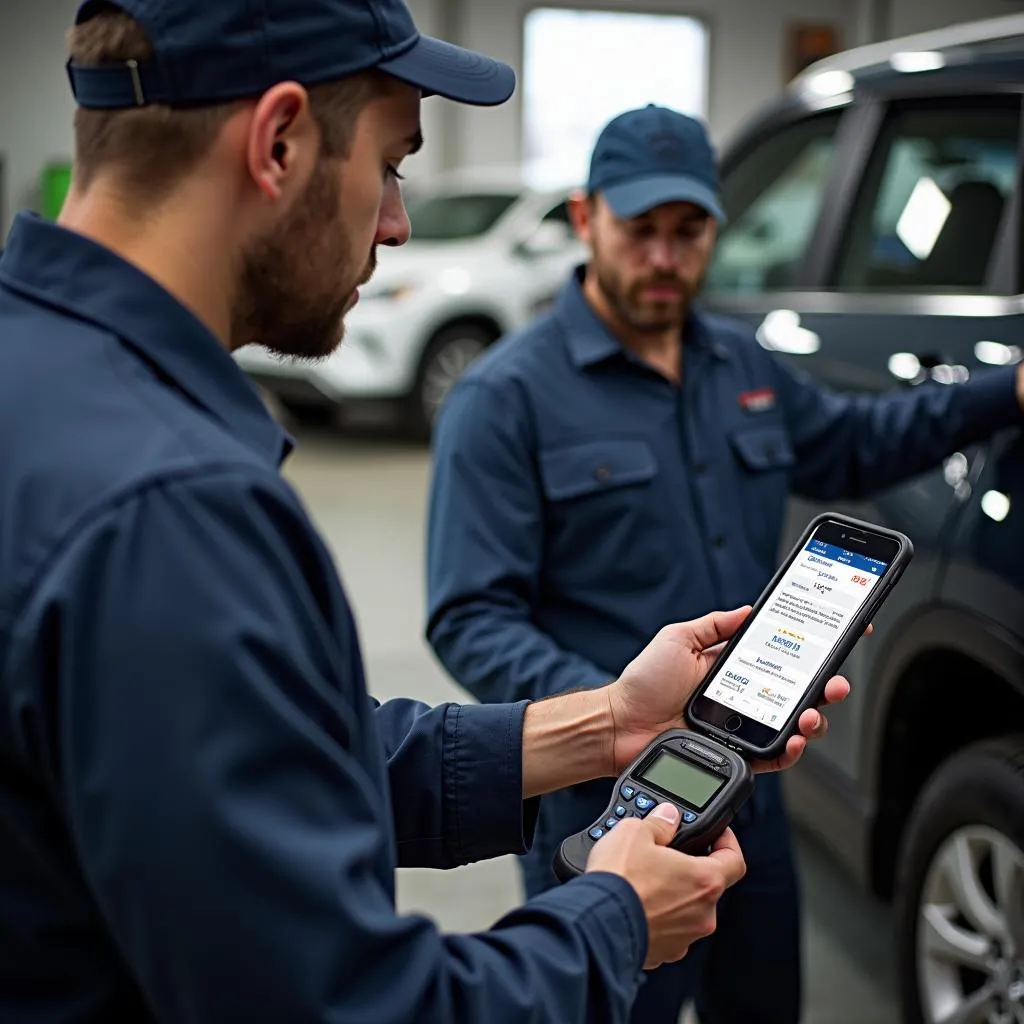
x=389 y=293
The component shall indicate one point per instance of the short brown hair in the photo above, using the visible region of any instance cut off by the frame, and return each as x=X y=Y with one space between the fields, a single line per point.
x=153 y=147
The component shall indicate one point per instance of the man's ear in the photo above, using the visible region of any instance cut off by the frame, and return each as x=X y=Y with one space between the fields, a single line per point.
x=581 y=212
x=283 y=140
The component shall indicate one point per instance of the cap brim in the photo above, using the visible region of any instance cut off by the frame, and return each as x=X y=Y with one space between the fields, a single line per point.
x=633 y=198
x=441 y=69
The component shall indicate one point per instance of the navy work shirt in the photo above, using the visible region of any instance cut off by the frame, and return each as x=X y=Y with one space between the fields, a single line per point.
x=201 y=809
x=580 y=500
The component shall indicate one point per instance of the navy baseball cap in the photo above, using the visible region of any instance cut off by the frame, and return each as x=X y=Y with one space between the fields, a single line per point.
x=214 y=51
x=654 y=155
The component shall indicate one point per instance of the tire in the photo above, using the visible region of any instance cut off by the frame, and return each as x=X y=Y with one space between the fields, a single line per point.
x=447 y=356
x=959 y=933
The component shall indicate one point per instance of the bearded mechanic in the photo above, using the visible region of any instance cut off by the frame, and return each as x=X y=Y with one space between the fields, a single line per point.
x=624 y=461
x=201 y=808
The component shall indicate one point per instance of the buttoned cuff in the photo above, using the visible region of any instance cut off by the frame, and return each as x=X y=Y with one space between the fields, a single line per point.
x=988 y=403
x=483 y=781
x=608 y=911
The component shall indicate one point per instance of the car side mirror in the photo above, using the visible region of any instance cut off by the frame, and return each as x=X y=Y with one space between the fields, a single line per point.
x=548 y=238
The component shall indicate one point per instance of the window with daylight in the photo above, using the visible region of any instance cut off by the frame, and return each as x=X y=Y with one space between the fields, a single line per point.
x=582 y=68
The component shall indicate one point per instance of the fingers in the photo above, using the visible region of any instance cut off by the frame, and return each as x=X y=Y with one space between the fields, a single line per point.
x=729 y=857
x=714 y=652
x=715 y=627
x=836 y=689
x=663 y=822
x=813 y=724
x=795 y=747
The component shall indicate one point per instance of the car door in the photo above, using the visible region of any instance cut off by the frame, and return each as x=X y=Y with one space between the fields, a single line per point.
x=894 y=279
x=780 y=186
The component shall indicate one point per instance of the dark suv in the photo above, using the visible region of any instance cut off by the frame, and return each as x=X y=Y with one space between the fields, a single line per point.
x=875 y=240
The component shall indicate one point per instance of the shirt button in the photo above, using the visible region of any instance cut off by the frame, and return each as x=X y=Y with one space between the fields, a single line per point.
x=700 y=467
x=602 y=474
x=719 y=542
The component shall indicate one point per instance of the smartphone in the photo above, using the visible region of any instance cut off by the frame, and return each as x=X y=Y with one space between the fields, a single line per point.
x=800 y=631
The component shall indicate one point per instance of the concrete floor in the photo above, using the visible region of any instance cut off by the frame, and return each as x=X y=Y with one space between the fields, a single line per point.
x=367 y=494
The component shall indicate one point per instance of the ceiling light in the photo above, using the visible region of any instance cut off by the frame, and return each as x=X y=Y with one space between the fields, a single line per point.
x=781 y=332
x=995 y=353
x=904 y=365
x=995 y=505
x=830 y=83
x=913 y=61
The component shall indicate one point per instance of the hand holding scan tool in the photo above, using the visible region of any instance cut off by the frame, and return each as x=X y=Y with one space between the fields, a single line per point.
x=774 y=668
x=706 y=782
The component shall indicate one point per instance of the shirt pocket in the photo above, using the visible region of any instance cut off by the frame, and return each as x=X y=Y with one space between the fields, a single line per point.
x=764 y=447
x=765 y=456
x=593 y=467
x=603 y=525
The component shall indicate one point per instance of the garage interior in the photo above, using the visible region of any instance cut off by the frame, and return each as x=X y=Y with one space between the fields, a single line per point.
x=363 y=475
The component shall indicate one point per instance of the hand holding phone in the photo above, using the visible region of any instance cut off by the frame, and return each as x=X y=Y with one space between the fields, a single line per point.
x=801 y=630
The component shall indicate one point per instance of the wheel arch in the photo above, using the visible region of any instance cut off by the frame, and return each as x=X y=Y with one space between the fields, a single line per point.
x=950 y=678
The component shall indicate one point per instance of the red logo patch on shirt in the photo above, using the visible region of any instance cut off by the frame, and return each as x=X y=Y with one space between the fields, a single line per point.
x=760 y=400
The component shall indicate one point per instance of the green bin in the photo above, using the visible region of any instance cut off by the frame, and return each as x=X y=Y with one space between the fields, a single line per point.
x=54 y=184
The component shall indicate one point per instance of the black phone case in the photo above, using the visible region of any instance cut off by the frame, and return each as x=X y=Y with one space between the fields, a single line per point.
x=853 y=633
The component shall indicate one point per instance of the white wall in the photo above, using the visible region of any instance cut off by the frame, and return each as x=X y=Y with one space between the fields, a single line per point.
x=747 y=60
x=908 y=16
x=747 y=56
x=35 y=99
x=748 y=49
x=36 y=108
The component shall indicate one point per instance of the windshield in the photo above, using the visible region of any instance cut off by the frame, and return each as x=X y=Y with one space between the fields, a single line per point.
x=452 y=217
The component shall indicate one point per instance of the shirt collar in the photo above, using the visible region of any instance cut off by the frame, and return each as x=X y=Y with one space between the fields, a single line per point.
x=69 y=272
x=591 y=342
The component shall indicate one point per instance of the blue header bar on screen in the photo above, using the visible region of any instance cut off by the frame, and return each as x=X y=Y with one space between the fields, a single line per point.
x=851 y=558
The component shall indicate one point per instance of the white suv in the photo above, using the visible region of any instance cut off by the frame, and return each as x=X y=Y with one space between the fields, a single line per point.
x=487 y=250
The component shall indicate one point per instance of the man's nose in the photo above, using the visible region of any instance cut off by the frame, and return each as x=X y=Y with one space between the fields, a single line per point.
x=662 y=253
x=393 y=228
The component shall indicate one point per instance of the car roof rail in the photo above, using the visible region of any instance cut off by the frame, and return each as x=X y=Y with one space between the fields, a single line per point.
x=963 y=34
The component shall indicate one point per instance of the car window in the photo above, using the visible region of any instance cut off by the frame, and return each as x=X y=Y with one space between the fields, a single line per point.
x=932 y=201
x=559 y=214
x=448 y=218
x=772 y=199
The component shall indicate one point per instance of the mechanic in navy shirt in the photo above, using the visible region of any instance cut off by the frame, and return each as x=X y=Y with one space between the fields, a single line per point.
x=201 y=808
x=623 y=462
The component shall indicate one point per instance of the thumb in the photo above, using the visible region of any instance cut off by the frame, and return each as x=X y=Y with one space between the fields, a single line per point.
x=663 y=822
x=716 y=627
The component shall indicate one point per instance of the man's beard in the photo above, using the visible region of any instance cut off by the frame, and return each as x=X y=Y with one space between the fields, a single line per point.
x=297 y=282
x=644 y=315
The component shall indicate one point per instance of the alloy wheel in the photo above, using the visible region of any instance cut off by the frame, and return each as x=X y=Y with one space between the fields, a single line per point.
x=444 y=368
x=970 y=945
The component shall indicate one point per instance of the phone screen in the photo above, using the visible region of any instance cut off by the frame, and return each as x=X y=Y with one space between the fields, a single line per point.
x=777 y=658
